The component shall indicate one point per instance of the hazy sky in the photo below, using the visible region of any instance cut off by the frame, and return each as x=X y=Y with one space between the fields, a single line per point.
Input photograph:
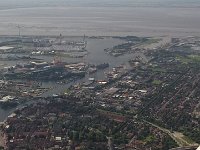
x=4 y=4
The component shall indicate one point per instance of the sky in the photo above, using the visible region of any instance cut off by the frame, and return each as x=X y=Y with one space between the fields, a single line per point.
x=11 y=4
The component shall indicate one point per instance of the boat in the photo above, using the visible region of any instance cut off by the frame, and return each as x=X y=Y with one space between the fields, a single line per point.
x=92 y=70
x=102 y=66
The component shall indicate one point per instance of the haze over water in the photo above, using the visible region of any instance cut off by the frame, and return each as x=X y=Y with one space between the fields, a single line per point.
x=100 y=17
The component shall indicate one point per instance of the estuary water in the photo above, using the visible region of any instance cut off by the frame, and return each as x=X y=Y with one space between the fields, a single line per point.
x=104 y=21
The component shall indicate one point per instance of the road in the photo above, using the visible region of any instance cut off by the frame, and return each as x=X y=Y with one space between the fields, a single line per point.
x=2 y=142
x=176 y=136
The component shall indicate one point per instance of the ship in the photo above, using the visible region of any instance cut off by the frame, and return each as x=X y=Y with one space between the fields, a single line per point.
x=102 y=66
x=92 y=70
